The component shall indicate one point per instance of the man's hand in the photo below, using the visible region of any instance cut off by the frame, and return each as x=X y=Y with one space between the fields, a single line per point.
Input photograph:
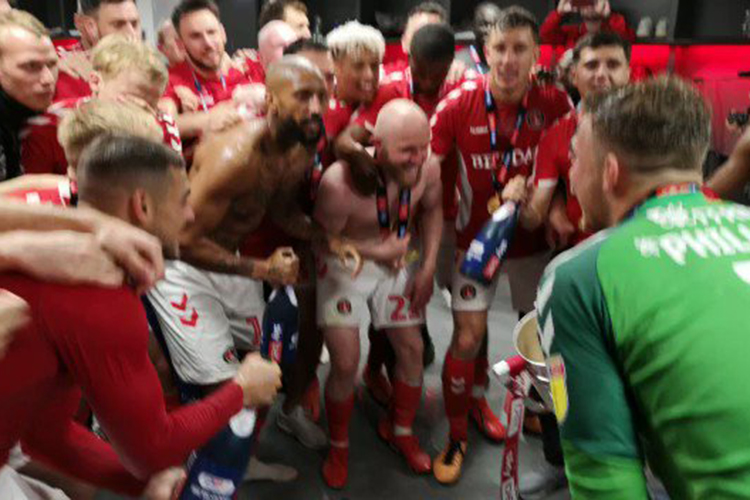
x=14 y=314
x=420 y=289
x=392 y=251
x=565 y=7
x=348 y=255
x=259 y=379
x=137 y=252
x=364 y=170
x=165 y=485
x=66 y=257
x=558 y=229
x=603 y=8
x=252 y=96
x=515 y=190
x=189 y=102
x=222 y=116
x=455 y=72
x=282 y=267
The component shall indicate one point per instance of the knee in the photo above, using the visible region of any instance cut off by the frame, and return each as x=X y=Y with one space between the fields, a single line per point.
x=344 y=367
x=467 y=343
x=410 y=351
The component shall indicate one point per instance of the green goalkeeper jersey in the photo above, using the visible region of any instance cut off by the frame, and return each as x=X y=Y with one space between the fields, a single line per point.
x=646 y=329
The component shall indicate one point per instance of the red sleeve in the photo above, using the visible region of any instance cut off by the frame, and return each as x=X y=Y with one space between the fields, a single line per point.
x=617 y=24
x=70 y=87
x=545 y=167
x=102 y=337
x=562 y=105
x=65 y=445
x=369 y=115
x=443 y=125
x=41 y=153
x=551 y=29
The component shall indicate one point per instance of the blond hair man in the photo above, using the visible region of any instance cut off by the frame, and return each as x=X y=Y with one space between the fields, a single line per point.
x=123 y=70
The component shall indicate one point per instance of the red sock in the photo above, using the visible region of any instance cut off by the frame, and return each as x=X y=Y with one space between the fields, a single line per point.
x=458 y=379
x=339 y=414
x=481 y=375
x=406 y=399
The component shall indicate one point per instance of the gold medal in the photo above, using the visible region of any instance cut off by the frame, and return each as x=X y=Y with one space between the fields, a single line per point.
x=493 y=204
x=412 y=256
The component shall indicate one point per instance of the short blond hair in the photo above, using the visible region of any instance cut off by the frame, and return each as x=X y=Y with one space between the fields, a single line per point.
x=15 y=18
x=116 y=53
x=354 y=38
x=96 y=117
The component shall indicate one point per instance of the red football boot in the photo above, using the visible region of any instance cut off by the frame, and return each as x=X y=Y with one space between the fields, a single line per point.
x=336 y=467
x=486 y=420
x=407 y=446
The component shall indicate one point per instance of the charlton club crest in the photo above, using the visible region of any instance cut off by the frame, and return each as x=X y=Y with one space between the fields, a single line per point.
x=468 y=292
x=344 y=307
x=535 y=119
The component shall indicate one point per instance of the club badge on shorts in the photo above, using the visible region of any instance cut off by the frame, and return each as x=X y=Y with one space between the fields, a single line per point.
x=558 y=386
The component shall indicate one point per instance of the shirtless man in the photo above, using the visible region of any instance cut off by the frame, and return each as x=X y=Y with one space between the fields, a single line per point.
x=212 y=302
x=394 y=293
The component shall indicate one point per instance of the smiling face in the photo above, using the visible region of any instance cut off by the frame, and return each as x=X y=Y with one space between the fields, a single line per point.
x=511 y=55
x=600 y=69
x=587 y=176
x=357 y=77
x=203 y=37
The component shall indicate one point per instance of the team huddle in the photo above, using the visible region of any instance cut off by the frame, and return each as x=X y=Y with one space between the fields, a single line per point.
x=310 y=163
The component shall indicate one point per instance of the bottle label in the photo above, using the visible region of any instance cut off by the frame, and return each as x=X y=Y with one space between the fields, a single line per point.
x=243 y=423
x=214 y=484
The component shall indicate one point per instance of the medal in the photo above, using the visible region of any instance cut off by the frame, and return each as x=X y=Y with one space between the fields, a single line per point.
x=493 y=204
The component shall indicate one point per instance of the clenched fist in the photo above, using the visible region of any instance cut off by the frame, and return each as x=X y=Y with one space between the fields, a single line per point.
x=259 y=379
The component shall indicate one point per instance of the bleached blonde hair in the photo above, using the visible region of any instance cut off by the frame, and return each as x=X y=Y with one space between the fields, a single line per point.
x=96 y=117
x=354 y=38
x=116 y=53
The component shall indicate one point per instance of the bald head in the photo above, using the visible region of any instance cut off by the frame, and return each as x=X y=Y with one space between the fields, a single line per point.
x=295 y=99
x=273 y=38
x=398 y=118
x=402 y=141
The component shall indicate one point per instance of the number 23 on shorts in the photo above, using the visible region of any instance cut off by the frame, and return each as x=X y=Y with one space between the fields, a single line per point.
x=400 y=310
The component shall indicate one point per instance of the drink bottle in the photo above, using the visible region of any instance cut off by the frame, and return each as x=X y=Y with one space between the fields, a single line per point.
x=489 y=246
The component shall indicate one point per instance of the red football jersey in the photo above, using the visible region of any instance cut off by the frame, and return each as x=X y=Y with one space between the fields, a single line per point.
x=69 y=86
x=41 y=153
x=62 y=196
x=461 y=122
x=210 y=92
x=254 y=70
x=553 y=164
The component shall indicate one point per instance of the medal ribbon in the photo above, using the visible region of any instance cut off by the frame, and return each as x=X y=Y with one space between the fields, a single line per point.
x=199 y=89
x=667 y=190
x=384 y=217
x=500 y=177
x=315 y=175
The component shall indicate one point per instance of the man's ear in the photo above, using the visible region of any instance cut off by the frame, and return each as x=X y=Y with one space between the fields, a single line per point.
x=141 y=208
x=614 y=175
x=95 y=82
x=86 y=25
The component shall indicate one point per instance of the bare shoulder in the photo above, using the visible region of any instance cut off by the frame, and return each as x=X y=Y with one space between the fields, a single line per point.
x=336 y=180
x=431 y=170
x=225 y=154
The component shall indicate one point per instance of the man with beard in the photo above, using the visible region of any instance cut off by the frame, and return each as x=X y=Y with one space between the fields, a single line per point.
x=204 y=76
x=644 y=323
x=94 y=340
x=210 y=305
x=494 y=124
x=393 y=286
x=600 y=62
x=96 y=19
x=28 y=71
